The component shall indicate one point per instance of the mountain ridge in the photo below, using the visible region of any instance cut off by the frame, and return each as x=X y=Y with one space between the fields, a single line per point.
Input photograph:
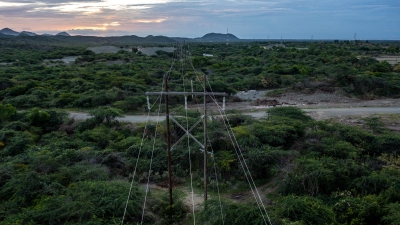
x=65 y=37
x=63 y=34
x=207 y=37
x=27 y=33
x=8 y=31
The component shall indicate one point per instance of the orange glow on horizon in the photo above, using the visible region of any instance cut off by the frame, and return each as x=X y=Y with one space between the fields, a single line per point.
x=149 y=21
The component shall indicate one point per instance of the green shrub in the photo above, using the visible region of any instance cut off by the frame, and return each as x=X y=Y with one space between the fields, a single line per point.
x=289 y=112
x=101 y=201
x=393 y=214
x=307 y=210
x=235 y=214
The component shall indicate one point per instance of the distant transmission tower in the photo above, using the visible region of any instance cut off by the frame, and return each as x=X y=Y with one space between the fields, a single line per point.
x=312 y=37
x=227 y=36
x=355 y=36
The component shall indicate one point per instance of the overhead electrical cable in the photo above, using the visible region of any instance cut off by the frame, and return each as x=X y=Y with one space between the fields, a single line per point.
x=151 y=163
x=141 y=145
x=212 y=150
x=240 y=157
x=187 y=128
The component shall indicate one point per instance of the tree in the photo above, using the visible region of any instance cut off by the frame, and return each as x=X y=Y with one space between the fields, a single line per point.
x=290 y=112
x=6 y=112
x=308 y=210
x=396 y=68
x=105 y=113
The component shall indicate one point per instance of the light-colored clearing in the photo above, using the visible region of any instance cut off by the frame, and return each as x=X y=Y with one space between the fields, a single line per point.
x=390 y=59
x=107 y=49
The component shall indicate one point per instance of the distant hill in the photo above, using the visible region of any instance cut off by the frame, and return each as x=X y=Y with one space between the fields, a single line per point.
x=152 y=38
x=93 y=40
x=8 y=31
x=218 y=37
x=65 y=38
x=63 y=34
x=26 y=33
x=181 y=39
x=210 y=37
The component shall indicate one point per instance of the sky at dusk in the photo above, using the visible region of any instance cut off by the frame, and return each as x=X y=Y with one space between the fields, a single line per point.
x=247 y=19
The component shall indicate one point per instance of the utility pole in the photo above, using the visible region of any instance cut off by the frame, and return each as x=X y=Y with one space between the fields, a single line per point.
x=168 y=141
x=227 y=36
x=205 y=137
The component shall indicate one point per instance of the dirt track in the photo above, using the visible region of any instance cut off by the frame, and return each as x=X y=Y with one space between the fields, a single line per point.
x=326 y=113
x=319 y=105
x=316 y=113
x=317 y=99
x=129 y=119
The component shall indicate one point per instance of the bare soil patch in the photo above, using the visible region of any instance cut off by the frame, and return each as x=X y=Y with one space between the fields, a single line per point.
x=390 y=59
x=194 y=199
x=336 y=98
x=107 y=49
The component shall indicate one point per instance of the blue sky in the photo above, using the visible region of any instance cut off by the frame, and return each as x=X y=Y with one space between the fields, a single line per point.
x=289 y=19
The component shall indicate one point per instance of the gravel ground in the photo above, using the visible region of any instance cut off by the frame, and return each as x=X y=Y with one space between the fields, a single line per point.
x=319 y=105
x=318 y=99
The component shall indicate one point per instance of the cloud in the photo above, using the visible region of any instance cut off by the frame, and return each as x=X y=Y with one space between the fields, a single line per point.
x=245 y=18
x=89 y=28
x=149 y=21
x=113 y=24
x=11 y=4
x=97 y=32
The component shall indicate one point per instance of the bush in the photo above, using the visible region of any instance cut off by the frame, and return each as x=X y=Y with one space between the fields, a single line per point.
x=234 y=214
x=6 y=112
x=307 y=210
x=393 y=214
x=101 y=201
x=290 y=112
x=106 y=114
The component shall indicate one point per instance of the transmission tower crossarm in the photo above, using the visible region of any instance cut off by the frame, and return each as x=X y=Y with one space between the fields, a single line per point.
x=187 y=132
x=188 y=93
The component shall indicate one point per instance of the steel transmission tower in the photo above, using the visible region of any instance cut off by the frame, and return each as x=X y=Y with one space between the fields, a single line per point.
x=166 y=93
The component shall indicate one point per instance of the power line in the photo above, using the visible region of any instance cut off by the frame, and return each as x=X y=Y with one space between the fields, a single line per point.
x=203 y=145
x=240 y=156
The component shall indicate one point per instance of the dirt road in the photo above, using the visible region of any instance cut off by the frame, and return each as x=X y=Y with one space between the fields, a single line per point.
x=126 y=118
x=326 y=113
x=316 y=113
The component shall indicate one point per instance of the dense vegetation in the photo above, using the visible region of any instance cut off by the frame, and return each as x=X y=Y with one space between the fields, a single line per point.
x=121 y=79
x=55 y=170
